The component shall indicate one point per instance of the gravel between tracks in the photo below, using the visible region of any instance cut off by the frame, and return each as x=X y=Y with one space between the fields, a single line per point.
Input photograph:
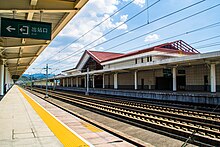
x=142 y=134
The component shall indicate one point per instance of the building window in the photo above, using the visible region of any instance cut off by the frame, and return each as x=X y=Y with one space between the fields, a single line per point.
x=136 y=60
x=142 y=60
x=149 y=58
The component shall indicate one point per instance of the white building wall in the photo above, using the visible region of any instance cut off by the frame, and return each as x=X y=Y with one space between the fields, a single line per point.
x=126 y=80
x=133 y=61
x=149 y=78
x=156 y=58
x=195 y=77
x=130 y=62
x=109 y=80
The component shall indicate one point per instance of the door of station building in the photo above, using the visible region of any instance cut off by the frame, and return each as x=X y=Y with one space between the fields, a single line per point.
x=142 y=84
x=82 y=82
x=206 y=83
x=98 y=81
x=181 y=82
x=164 y=83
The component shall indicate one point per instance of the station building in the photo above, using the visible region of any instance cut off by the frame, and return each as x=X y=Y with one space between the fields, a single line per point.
x=174 y=66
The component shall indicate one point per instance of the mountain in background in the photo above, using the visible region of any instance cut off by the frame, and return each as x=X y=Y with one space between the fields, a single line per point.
x=37 y=76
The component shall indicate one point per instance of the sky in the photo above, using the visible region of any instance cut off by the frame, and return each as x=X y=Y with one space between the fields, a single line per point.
x=66 y=49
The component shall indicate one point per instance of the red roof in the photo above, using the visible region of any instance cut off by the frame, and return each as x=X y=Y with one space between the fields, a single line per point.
x=103 y=56
x=178 y=47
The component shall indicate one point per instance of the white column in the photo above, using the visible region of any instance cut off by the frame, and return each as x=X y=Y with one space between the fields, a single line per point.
x=135 y=80
x=93 y=81
x=103 y=81
x=71 y=82
x=213 y=78
x=6 y=78
x=2 y=79
x=77 y=82
x=87 y=85
x=85 y=81
x=63 y=82
x=116 y=81
x=174 y=78
x=67 y=82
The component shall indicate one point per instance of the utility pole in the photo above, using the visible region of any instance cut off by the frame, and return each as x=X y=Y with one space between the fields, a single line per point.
x=46 y=96
x=148 y=21
x=87 y=82
x=31 y=82
x=54 y=82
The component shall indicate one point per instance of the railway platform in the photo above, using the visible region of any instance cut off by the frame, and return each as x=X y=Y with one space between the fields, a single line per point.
x=26 y=120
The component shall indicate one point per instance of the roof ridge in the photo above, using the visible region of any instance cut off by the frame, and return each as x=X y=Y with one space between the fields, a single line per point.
x=104 y=52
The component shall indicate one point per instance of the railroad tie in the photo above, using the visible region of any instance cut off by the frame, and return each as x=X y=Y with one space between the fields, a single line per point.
x=211 y=135
x=177 y=127
x=185 y=129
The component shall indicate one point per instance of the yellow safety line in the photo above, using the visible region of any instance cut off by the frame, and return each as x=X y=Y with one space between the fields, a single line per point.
x=66 y=137
x=91 y=127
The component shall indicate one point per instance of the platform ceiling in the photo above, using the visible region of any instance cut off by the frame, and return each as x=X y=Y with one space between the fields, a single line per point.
x=19 y=53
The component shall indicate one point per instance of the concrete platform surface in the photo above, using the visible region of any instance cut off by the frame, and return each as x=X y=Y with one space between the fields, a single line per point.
x=26 y=120
x=21 y=126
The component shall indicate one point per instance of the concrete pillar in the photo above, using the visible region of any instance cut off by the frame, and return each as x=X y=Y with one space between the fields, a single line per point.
x=135 y=80
x=67 y=82
x=77 y=82
x=93 y=81
x=116 y=81
x=174 y=79
x=6 y=78
x=87 y=85
x=63 y=82
x=213 y=78
x=2 y=79
x=71 y=82
x=103 y=81
x=85 y=81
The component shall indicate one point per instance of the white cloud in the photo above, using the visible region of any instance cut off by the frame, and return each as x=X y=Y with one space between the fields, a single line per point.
x=123 y=18
x=92 y=14
x=151 y=37
x=97 y=11
x=140 y=3
x=108 y=24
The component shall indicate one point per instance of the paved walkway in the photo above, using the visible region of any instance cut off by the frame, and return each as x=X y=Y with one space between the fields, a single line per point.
x=21 y=126
x=27 y=120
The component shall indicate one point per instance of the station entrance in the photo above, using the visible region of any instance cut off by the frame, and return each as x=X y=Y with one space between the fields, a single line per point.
x=166 y=83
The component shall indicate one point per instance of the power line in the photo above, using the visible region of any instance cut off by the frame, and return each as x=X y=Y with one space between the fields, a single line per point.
x=123 y=23
x=165 y=26
x=207 y=39
x=139 y=27
x=112 y=30
x=209 y=45
x=69 y=56
x=182 y=34
x=92 y=28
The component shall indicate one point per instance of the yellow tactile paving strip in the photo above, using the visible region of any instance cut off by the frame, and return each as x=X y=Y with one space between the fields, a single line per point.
x=66 y=137
x=91 y=127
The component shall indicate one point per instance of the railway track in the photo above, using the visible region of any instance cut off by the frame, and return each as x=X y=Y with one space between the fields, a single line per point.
x=175 y=122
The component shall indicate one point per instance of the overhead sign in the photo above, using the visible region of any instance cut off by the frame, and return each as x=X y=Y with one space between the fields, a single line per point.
x=15 y=77
x=24 y=29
